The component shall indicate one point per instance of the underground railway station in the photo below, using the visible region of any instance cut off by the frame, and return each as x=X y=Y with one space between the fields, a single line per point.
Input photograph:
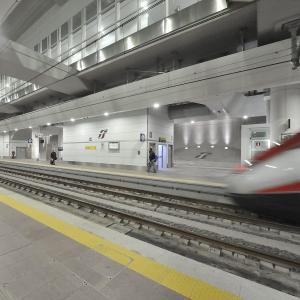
x=149 y=149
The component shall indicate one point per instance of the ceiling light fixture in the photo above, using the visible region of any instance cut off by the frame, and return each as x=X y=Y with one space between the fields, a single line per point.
x=144 y=4
x=156 y=105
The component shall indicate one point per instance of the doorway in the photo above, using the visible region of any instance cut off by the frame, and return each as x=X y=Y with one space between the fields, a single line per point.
x=162 y=156
x=20 y=152
x=170 y=156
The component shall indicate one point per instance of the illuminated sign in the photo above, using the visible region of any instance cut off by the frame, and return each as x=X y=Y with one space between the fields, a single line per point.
x=90 y=147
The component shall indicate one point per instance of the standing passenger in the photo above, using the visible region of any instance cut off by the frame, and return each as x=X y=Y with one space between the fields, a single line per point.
x=53 y=158
x=152 y=161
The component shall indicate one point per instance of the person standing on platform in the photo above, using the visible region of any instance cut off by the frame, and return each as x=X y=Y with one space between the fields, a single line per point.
x=152 y=161
x=53 y=157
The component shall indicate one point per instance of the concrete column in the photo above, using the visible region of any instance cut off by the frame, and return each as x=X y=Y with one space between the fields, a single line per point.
x=119 y=34
x=284 y=105
x=35 y=155
x=167 y=8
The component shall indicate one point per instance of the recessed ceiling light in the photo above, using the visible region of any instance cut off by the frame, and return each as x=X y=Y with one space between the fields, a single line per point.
x=212 y=146
x=226 y=148
x=30 y=127
x=156 y=105
x=48 y=124
x=106 y=114
x=72 y=120
x=198 y=146
x=192 y=122
x=16 y=129
x=186 y=148
x=245 y=117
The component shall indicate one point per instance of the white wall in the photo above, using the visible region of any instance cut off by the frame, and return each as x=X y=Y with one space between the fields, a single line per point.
x=7 y=145
x=160 y=125
x=124 y=128
x=4 y=145
x=220 y=133
x=284 y=105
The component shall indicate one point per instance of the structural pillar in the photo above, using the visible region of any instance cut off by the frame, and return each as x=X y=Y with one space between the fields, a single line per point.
x=284 y=112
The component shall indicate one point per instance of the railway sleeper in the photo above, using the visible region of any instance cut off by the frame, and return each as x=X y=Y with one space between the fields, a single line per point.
x=274 y=267
x=295 y=274
x=66 y=202
x=75 y=205
x=285 y=234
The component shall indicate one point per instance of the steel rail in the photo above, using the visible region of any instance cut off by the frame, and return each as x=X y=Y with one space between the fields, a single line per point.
x=165 y=203
x=279 y=260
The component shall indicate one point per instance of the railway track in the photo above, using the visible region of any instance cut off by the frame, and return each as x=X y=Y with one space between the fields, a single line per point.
x=291 y=263
x=198 y=207
x=240 y=256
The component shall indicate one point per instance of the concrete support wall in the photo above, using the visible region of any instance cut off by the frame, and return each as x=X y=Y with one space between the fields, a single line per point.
x=53 y=139
x=160 y=126
x=216 y=133
x=82 y=140
x=4 y=145
x=284 y=105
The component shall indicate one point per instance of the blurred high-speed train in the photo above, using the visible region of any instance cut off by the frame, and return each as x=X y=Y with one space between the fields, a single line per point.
x=270 y=185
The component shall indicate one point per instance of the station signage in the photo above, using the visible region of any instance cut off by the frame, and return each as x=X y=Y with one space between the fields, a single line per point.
x=142 y=137
x=90 y=147
x=102 y=134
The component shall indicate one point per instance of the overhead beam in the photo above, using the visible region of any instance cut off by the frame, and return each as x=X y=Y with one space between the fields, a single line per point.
x=20 y=62
x=206 y=83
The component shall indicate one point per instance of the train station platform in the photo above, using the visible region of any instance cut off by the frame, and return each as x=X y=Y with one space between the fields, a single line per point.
x=47 y=253
x=184 y=172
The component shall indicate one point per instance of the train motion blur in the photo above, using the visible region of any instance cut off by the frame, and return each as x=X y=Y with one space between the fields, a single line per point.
x=270 y=185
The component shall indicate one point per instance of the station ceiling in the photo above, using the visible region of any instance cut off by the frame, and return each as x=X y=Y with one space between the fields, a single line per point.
x=18 y=15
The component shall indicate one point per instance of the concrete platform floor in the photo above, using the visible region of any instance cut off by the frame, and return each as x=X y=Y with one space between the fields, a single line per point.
x=188 y=172
x=47 y=253
x=37 y=263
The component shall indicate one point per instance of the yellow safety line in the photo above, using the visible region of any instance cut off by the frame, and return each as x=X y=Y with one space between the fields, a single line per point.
x=183 y=284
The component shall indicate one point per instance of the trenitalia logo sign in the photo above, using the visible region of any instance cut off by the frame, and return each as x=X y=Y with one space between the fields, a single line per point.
x=102 y=133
